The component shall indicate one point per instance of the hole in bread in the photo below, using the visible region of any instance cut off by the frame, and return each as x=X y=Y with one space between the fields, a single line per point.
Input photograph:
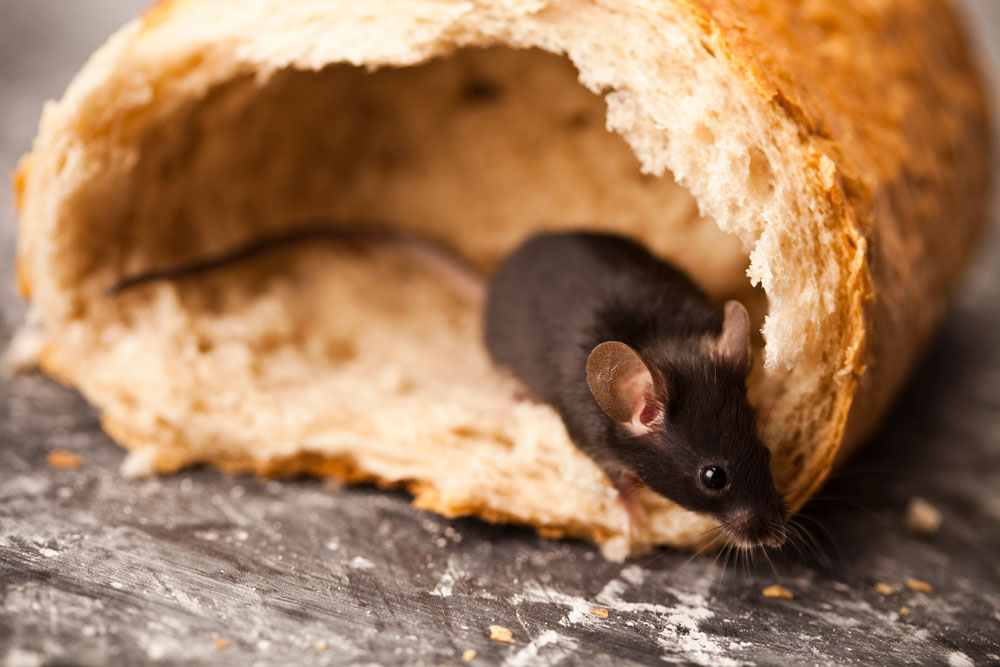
x=370 y=353
x=761 y=182
x=703 y=135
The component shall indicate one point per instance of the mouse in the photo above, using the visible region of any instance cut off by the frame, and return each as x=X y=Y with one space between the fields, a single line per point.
x=459 y=273
x=647 y=374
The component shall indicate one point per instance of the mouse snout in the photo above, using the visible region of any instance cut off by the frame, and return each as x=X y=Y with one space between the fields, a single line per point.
x=753 y=528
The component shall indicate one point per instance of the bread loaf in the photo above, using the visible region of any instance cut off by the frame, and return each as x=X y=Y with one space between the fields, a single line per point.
x=827 y=162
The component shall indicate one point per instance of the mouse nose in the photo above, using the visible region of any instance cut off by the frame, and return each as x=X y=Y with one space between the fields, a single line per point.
x=754 y=528
x=774 y=538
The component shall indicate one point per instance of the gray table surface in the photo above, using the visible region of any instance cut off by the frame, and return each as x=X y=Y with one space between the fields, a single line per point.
x=200 y=567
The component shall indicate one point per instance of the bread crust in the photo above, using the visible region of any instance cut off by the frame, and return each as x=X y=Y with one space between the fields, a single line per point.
x=878 y=108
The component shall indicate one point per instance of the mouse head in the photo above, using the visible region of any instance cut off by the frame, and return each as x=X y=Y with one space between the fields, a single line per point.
x=686 y=429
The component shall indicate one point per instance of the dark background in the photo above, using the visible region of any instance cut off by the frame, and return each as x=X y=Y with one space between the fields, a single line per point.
x=96 y=569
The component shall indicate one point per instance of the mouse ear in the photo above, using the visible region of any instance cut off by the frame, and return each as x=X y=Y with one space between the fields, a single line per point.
x=734 y=343
x=622 y=384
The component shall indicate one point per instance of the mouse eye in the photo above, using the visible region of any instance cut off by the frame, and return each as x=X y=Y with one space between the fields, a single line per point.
x=713 y=477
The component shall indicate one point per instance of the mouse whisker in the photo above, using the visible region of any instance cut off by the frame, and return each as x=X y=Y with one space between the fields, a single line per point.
x=730 y=554
x=767 y=420
x=718 y=554
x=826 y=533
x=847 y=503
x=795 y=538
x=708 y=545
x=726 y=552
x=771 y=563
x=810 y=542
x=711 y=543
x=818 y=524
x=851 y=472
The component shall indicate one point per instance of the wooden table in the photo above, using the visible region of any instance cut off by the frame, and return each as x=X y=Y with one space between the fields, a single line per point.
x=200 y=567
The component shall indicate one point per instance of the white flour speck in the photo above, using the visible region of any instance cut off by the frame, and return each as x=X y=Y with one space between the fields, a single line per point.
x=563 y=647
x=676 y=626
x=361 y=563
x=446 y=585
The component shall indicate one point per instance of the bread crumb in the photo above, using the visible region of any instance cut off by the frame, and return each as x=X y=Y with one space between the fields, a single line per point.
x=320 y=645
x=904 y=610
x=468 y=655
x=922 y=518
x=603 y=613
x=776 y=591
x=221 y=644
x=920 y=586
x=885 y=589
x=59 y=458
x=498 y=633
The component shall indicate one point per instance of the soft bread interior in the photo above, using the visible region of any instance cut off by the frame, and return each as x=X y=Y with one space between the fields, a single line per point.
x=366 y=364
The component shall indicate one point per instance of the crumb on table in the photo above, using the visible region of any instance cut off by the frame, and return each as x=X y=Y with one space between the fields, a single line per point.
x=468 y=655
x=904 y=610
x=320 y=645
x=919 y=586
x=885 y=589
x=603 y=613
x=777 y=591
x=922 y=518
x=498 y=633
x=221 y=644
x=59 y=458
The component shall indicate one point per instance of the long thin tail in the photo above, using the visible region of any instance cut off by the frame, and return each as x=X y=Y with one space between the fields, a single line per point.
x=456 y=270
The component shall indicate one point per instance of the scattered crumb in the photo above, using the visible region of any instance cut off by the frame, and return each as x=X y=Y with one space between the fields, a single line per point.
x=59 y=458
x=922 y=518
x=498 y=633
x=920 y=586
x=468 y=655
x=320 y=645
x=904 y=610
x=221 y=644
x=603 y=613
x=776 y=591
x=885 y=589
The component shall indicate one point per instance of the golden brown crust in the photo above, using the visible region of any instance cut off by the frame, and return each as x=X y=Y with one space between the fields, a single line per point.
x=158 y=12
x=345 y=469
x=889 y=98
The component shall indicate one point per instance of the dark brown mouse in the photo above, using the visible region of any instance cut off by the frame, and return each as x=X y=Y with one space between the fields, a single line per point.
x=646 y=373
